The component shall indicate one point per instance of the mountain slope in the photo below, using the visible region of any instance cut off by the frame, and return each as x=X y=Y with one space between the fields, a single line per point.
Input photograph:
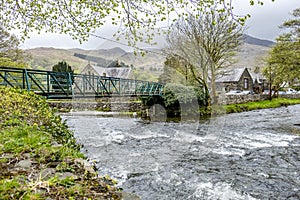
x=45 y=58
x=255 y=41
x=251 y=56
x=149 y=66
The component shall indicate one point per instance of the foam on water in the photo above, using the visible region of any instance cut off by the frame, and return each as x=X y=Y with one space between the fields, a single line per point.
x=238 y=156
x=187 y=137
x=217 y=191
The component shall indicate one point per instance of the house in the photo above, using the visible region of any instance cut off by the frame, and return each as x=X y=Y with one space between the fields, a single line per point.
x=235 y=79
x=115 y=69
x=260 y=83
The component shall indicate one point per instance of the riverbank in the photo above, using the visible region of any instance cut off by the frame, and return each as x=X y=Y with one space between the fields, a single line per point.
x=136 y=108
x=40 y=158
x=113 y=104
x=274 y=103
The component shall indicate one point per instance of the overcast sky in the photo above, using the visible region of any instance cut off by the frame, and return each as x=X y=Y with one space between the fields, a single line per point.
x=263 y=24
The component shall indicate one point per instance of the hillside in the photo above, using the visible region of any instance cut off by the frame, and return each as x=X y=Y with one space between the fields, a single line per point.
x=255 y=41
x=149 y=67
x=45 y=58
x=251 y=56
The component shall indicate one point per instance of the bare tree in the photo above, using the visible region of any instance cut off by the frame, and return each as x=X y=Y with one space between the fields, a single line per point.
x=9 y=46
x=10 y=53
x=207 y=42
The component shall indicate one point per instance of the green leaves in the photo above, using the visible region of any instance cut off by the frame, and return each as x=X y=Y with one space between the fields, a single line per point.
x=283 y=62
x=134 y=18
x=252 y=2
x=293 y=24
x=177 y=93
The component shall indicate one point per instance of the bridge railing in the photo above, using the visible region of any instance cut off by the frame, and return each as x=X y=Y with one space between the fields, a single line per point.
x=45 y=83
x=107 y=86
x=68 y=85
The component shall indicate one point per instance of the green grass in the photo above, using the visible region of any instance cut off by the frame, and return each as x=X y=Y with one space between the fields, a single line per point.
x=21 y=140
x=274 y=103
x=31 y=131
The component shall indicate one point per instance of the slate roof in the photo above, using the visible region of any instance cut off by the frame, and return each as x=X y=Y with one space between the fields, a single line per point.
x=117 y=72
x=233 y=75
x=257 y=77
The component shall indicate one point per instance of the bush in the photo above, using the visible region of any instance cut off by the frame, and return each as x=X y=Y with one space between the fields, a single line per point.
x=178 y=98
x=175 y=94
x=20 y=107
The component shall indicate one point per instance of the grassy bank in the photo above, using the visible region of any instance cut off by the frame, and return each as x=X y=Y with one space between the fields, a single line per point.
x=39 y=157
x=278 y=102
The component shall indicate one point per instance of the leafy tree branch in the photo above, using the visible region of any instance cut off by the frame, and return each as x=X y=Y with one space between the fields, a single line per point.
x=137 y=19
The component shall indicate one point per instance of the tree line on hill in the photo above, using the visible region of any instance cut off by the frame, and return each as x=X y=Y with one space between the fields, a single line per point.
x=100 y=61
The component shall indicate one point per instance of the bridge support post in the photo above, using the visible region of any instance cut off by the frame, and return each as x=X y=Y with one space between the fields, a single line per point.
x=26 y=79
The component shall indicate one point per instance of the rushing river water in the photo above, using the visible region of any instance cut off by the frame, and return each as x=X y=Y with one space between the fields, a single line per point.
x=250 y=155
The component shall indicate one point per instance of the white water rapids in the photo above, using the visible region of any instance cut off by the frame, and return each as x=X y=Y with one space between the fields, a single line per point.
x=250 y=155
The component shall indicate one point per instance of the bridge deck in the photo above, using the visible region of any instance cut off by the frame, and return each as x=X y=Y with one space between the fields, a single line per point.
x=58 y=85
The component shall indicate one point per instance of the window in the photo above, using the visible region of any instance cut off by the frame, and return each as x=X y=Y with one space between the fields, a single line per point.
x=246 y=83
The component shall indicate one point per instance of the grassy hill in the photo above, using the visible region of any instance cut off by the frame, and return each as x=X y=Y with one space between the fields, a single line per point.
x=45 y=58
x=147 y=67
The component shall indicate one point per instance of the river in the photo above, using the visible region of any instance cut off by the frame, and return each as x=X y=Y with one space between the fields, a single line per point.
x=250 y=155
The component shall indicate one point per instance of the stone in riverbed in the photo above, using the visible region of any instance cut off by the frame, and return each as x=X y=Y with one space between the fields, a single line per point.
x=47 y=173
x=129 y=196
x=24 y=164
x=86 y=165
x=65 y=175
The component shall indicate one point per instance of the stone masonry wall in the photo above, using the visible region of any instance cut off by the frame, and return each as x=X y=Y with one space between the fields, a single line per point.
x=235 y=99
x=111 y=104
x=129 y=105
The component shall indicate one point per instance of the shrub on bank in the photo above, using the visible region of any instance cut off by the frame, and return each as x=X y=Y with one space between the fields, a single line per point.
x=39 y=155
x=177 y=98
x=23 y=107
x=175 y=94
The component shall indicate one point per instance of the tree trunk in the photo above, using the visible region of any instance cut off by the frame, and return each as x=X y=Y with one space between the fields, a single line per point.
x=213 y=85
x=270 y=93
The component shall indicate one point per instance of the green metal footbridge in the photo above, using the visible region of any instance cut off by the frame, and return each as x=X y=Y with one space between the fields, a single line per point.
x=58 y=85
